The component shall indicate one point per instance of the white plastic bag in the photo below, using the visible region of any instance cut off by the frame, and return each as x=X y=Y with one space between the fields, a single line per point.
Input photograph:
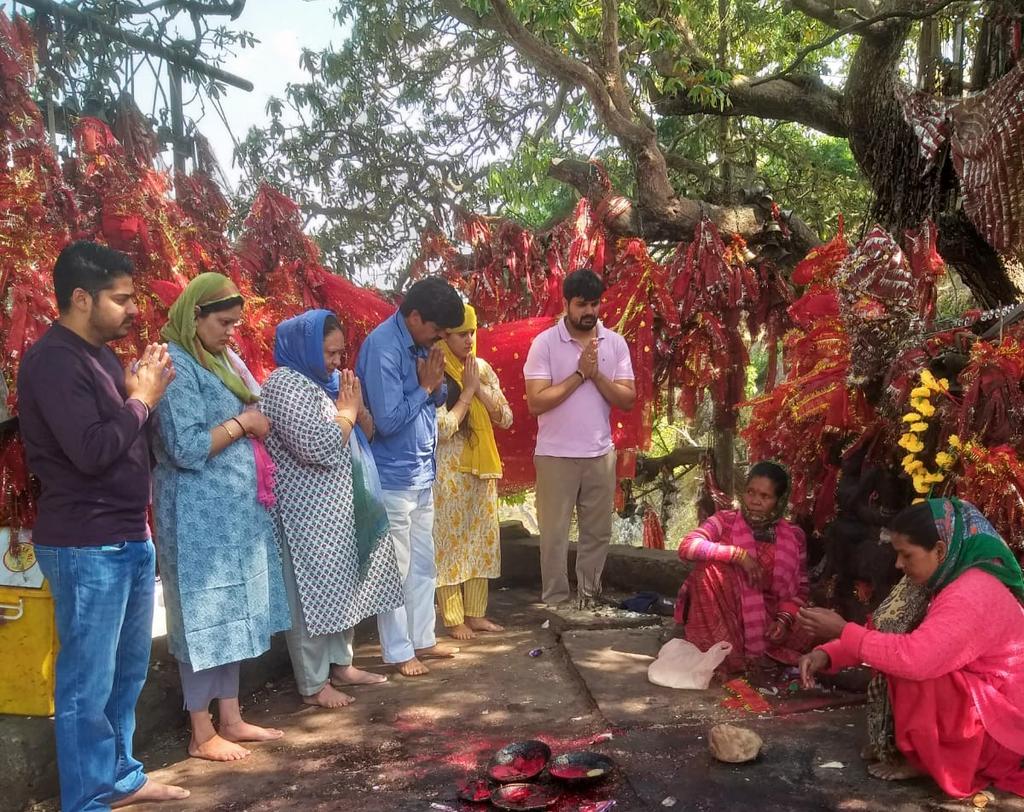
x=680 y=664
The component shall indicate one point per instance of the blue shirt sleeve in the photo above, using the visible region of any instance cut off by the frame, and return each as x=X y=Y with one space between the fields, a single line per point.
x=385 y=395
x=440 y=396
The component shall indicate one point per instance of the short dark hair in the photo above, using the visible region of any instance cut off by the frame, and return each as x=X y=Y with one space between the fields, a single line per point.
x=436 y=301
x=583 y=284
x=917 y=524
x=773 y=471
x=90 y=266
x=331 y=324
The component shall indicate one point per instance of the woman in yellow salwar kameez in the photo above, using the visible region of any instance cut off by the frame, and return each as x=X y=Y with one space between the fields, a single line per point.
x=466 y=541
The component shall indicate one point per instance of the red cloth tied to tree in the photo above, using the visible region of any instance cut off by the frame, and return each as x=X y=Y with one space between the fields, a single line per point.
x=988 y=153
x=712 y=287
x=878 y=294
x=813 y=411
x=992 y=409
x=926 y=264
x=993 y=480
x=504 y=347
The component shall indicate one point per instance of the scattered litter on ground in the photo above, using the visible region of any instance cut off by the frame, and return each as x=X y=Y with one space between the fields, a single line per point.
x=536 y=652
x=600 y=806
x=734 y=745
x=669 y=801
x=546 y=624
x=443 y=808
x=832 y=765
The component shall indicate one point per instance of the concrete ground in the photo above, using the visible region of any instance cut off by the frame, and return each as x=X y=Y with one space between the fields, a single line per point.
x=405 y=745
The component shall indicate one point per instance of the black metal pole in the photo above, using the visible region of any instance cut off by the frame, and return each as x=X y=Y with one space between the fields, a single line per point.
x=172 y=56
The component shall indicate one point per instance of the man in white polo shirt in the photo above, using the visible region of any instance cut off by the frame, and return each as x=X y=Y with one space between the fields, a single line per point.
x=575 y=372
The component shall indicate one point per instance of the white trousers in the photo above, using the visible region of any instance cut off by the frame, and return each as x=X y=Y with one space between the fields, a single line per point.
x=411 y=627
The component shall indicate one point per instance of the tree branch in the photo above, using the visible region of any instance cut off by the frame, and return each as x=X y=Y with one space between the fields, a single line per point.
x=825 y=11
x=567 y=67
x=683 y=164
x=854 y=28
x=554 y=113
x=676 y=221
x=804 y=100
x=614 y=79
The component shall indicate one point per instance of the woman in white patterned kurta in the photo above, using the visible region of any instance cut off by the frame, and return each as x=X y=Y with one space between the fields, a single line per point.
x=335 y=576
x=466 y=534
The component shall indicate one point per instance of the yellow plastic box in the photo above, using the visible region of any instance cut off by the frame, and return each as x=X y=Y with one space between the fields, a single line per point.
x=28 y=651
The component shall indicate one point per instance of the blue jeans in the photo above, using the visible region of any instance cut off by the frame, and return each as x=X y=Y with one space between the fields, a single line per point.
x=103 y=602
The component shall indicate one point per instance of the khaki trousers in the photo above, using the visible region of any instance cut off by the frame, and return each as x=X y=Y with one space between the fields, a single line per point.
x=586 y=484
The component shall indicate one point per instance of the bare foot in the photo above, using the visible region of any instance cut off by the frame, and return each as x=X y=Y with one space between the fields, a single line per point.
x=482 y=624
x=898 y=770
x=217 y=749
x=328 y=697
x=412 y=668
x=153 y=792
x=350 y=675
x=461 y=632
x=242 y=731
x=437 y=652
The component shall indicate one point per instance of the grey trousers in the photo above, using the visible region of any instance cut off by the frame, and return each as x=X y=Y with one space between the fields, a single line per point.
x=312 y=657
x=586 y=485
x=200 y=688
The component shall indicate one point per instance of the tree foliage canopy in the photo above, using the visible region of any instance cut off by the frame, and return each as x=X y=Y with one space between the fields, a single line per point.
x=467 y=103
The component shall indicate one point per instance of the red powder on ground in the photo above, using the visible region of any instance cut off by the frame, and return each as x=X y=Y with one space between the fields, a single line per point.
x=475 y=790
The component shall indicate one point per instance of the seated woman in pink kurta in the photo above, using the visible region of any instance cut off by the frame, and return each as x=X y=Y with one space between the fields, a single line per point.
x=751 y=577
x=956 y=683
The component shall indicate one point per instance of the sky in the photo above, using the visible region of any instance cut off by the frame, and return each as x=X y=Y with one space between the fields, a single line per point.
x=283 y=28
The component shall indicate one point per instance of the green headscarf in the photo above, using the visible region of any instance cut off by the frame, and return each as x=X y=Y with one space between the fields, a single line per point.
x=205 y=289
x=971 y=542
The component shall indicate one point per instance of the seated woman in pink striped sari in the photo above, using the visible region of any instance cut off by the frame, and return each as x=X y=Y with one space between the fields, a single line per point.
x=750 y=579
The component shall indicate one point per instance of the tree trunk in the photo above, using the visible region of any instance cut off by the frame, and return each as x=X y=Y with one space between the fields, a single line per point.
x=910 y=188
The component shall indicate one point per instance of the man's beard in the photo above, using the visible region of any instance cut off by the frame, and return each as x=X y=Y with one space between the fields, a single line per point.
x=109 y=333
x=584 y=324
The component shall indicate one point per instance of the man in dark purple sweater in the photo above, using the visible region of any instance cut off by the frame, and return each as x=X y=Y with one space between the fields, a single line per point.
x=83 y=421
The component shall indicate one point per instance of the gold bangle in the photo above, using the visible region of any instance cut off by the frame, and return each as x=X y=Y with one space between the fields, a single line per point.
x=351 y=424
x=227 y=430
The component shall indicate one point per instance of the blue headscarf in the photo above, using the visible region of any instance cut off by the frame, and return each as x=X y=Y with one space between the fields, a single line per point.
x=299 y=345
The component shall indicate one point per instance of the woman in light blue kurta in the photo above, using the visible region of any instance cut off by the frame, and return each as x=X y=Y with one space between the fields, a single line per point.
x=219 y=562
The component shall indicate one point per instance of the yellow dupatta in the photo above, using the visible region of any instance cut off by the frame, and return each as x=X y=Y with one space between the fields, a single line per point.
x=480 y=453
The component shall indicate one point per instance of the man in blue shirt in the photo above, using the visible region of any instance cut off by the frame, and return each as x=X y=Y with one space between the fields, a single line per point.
x=401 y=369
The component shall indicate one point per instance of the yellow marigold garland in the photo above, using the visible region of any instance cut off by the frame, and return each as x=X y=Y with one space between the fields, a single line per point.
x=916 y=423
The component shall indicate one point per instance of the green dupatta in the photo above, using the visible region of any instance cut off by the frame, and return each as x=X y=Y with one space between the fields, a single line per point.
x=972 y=542
x=205 y=289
